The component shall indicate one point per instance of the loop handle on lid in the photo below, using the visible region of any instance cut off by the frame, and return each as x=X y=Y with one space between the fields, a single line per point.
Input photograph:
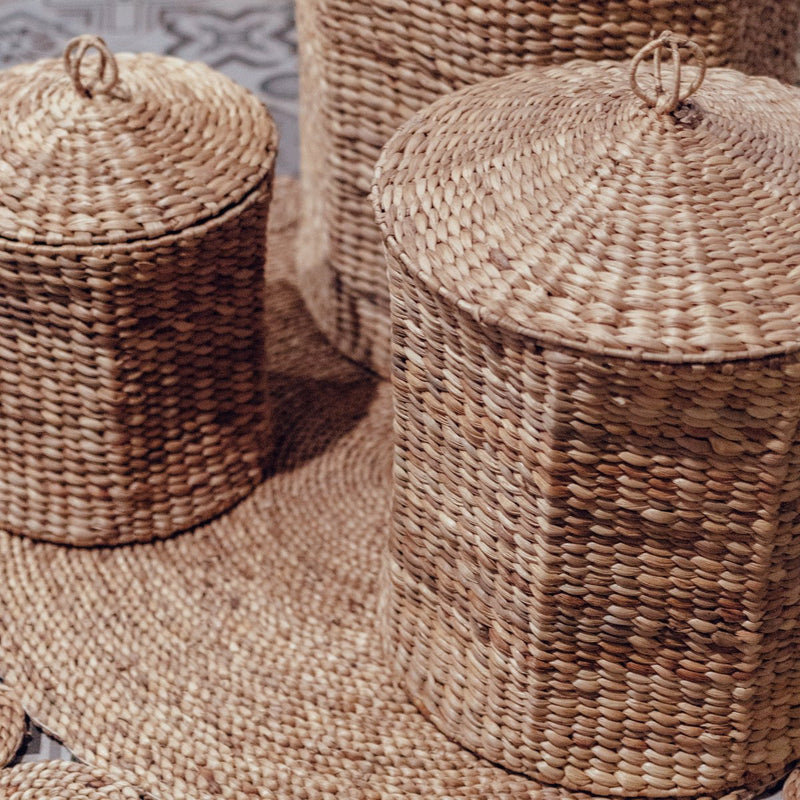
x=663 y=101
x=107 y=72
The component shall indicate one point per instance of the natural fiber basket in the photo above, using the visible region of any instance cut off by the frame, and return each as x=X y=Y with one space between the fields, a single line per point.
x=133 y=201
x=594 y=569
x=368 y=65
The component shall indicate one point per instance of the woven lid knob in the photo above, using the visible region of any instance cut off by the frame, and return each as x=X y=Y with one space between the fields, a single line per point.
x=78 y=55
x=666 y=101
x=97 y=148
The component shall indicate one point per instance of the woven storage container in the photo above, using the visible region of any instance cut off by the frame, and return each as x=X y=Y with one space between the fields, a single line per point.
x=594 y=569
x=133 y=203
x=368 y=65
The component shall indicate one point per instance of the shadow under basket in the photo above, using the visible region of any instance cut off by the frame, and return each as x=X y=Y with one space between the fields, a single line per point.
x=594 y=566
x=133 y=204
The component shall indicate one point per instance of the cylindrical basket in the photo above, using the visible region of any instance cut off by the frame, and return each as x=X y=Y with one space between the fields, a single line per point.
x=594 y=568
x=133 y=201
x=366 y=67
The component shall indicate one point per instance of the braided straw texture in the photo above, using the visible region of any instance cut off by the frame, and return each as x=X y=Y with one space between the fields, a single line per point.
x=369 y=65
x=242 y=659
x=12 y=726
x=62 y=780
x=132 y=240
x=791 y=789
x=594 y=572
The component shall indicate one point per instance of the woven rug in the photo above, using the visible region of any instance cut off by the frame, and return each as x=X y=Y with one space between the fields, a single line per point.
x=242 y=659
x=61 y=780
x=12 y=726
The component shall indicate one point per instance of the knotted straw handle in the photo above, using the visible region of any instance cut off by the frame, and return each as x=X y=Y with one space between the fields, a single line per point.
x=665 y=102
x=107 y=74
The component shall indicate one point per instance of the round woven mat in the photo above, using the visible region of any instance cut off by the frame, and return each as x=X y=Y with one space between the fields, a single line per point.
x=791 y=789
x=243 y=659
x=61 y=780
x=12 y=726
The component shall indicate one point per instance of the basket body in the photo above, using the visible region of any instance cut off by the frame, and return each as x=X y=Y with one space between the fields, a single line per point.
x=366 y=67
x=594 y=570
x=132 y=380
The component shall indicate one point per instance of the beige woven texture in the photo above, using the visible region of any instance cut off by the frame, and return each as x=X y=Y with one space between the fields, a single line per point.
x=369 y=65
x=133 y=201
x=12 y=726
x=594 y=573
x=791 y=789
x=243 y=659
x=62 y=780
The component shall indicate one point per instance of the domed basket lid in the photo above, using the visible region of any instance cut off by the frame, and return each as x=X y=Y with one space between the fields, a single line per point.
x=98 y=149
x=645 y=210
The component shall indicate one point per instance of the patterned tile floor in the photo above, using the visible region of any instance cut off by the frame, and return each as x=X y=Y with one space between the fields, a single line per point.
x=252 y=42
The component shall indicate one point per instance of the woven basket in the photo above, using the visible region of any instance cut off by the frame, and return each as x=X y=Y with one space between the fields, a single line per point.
x=133 y=202
x=368 y=65
x=594 y=569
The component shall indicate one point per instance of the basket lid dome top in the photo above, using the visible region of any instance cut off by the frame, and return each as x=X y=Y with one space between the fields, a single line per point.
x=643 y=209
x=98 y=149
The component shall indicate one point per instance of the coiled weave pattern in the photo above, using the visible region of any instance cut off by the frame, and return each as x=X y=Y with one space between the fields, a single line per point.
x=594 y=572
x=12 y=726
x=243 y=659
x=366 y=67
x=62 y=780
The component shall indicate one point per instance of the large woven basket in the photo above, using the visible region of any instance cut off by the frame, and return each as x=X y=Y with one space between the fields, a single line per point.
x=594 y=568
x=368 y=65
x=133 y=203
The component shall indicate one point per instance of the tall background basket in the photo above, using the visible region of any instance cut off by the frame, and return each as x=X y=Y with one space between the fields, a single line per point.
x=369 y=65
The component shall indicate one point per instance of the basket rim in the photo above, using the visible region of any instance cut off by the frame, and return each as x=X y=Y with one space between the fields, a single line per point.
x=101 y=249
x=488 y=318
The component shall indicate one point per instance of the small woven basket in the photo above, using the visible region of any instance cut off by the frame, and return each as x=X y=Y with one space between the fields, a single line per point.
x=133 y=200
x=369 y=65
x=594 y=567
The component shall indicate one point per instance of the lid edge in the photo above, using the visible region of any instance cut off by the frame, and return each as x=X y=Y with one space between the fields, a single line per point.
x=124 y=244
x=487 y=318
